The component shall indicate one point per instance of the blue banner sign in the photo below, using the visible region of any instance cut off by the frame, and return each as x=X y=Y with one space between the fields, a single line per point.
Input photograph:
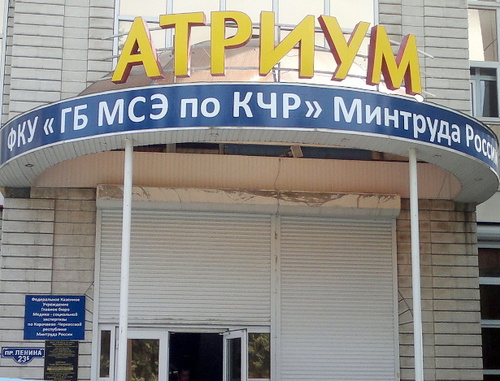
x=22 y=355
x=282 y=106
x=54 y=317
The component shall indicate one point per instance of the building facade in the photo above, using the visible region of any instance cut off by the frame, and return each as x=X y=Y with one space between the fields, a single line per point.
x=265 y=244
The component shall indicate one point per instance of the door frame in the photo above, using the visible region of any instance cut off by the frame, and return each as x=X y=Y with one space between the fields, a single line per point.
x=133 y=333
x=162 y=336
x=242 y=335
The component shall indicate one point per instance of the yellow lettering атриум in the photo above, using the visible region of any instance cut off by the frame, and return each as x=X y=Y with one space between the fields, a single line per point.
x=137 y=50
x=302 y=35
x=405 y=65
x=219 y=42
x=182 y=23
x=343 y=52
x=399 y=70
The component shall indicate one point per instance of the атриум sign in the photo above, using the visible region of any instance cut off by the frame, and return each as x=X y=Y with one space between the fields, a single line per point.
x=252 y=111
x=139 y=49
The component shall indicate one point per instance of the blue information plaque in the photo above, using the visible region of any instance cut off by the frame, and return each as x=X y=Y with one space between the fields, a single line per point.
x=54 y=317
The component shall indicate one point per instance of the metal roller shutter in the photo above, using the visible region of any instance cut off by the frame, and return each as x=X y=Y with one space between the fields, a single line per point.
x=188 y=268
x=332 y=293
x=337 y=300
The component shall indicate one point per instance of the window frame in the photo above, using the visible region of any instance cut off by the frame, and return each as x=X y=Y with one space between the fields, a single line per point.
x=477 y=93
x=495 y=65
x=112 y=351
x=118 y=18
x=487 y=241
x=163 y=335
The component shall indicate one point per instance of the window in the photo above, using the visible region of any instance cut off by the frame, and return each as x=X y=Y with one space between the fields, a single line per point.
x=484 y=92
x=105 y=350
x=105 y=355
x=484 y=57
x=489 y=285
x=287 y=13
x=259 y=356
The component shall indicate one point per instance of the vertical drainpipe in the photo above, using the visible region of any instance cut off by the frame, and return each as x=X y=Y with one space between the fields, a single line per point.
x=121 y=371
x=415 y=268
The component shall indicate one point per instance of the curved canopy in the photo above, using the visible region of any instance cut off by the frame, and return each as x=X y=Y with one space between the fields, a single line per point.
x=250 y=113
x=243 y=107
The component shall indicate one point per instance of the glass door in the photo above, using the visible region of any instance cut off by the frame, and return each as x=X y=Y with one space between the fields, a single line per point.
x=161 y=355
x=147 y=356
x=235 y=362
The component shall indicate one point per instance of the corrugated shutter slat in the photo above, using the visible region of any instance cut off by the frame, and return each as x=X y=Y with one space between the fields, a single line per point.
x=337 y=300
x=188 y=267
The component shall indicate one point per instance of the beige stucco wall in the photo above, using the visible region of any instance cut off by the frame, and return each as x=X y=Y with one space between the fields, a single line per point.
x=55 y=49
x=450 y=292
x=441 y=28
x=48 y=247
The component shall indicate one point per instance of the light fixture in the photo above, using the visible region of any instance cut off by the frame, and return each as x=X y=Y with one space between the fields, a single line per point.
x=296 y=151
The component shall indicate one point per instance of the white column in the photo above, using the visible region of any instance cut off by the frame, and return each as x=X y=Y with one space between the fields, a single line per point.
x=415 y=268
x=121 y=371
